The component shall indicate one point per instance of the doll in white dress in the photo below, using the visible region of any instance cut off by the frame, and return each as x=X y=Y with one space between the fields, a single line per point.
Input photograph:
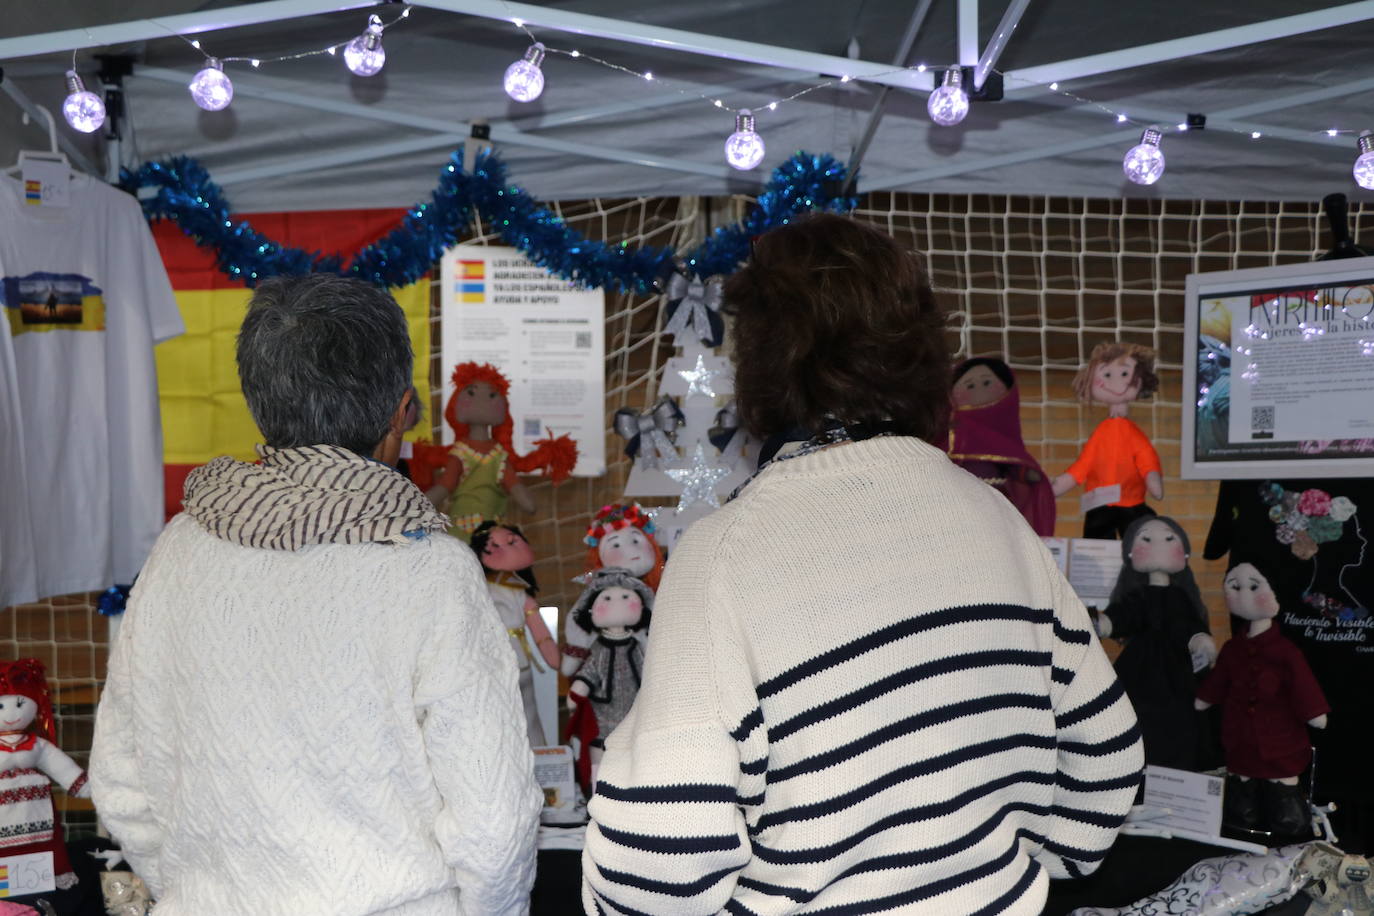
x=508 y=560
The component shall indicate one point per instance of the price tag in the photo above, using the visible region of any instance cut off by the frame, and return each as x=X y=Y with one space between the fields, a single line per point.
x=47 y=183
x=26 y=874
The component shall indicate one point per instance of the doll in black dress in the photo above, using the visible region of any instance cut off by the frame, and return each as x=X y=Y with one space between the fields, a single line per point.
x=1157 y=614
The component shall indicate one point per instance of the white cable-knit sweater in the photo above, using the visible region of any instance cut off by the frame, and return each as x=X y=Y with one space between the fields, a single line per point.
x=334 y=730
x=868 y=690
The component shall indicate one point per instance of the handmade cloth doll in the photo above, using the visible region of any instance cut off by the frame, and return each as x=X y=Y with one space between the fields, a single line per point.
x=1268 y=697
x=1157 y=612
x=29 y=758
x=985 y=439
x=508 y=560
x=621 y=534
x=479 y=478
x=616 y=606
x=1118 y=465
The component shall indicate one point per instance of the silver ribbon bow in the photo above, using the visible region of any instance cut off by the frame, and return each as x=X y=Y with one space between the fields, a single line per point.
x=695 y=299
x=647 y=433
x=727 y=424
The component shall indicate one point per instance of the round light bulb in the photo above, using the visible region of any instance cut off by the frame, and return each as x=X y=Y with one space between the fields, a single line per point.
x=1144 y=162
x=744 y=148
x=365 y=55
x=82 y=109
x=948 y=105
x=1364 y=164
x=211 y=88
x=524 y=80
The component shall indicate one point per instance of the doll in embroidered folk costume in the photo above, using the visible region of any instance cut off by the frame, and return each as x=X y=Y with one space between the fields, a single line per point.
x=985 y=439
x=616 y=606
x=478 y=479
x=1118 y=466
x=1157 y=612
x=621 y=534
x=1268 y=698
x=29 y=758
x=508 y=560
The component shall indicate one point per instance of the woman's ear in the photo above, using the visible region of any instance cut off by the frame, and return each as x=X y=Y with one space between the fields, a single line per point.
x=398 y=417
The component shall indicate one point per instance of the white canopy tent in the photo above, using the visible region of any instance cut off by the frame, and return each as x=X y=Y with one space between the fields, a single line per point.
x=307 y=134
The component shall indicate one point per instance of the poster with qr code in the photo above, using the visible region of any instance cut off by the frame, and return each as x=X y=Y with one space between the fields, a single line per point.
x=1278 y=372
x=547 y=336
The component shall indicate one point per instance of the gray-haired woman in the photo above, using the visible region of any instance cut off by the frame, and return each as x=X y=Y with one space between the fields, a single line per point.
x=311 y=706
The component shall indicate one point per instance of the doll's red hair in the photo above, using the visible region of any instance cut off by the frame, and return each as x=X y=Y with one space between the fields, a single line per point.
x=556 y=456
x=26 y=677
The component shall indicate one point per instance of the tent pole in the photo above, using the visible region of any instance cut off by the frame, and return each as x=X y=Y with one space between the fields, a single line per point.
x=1010 y=19
x=913 y=28
x=1191 y=46
x=968 y=32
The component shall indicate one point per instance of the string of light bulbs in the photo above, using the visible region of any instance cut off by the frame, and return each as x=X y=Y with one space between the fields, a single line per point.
x=947 y=105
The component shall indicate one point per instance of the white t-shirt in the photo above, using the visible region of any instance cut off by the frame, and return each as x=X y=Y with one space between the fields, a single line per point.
x=84 y=297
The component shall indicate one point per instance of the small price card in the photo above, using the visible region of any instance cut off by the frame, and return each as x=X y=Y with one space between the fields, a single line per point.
x=26 y=874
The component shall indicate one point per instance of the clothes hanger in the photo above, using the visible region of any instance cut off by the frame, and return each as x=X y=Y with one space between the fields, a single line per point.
x=49 y=155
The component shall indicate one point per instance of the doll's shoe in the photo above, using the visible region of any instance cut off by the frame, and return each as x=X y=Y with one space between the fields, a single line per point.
x=1285 y=809
x=1241 y=805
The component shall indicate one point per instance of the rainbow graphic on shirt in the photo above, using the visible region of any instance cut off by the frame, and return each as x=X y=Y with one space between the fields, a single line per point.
x=33 y=192
x=44 y=301
x=4 y=880
x=471 y=281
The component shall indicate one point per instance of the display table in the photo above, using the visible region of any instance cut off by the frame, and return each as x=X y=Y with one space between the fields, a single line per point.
x=1136 y=867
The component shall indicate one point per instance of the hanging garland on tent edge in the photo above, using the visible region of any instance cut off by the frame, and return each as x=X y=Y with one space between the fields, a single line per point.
x=187 y=195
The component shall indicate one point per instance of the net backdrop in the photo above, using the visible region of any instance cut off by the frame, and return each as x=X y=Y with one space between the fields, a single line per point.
x=1036 y=280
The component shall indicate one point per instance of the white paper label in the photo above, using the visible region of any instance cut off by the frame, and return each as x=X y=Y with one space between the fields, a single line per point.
x=47 y=183
x=1193 y=800
x=1102 y=496
x=26 y=874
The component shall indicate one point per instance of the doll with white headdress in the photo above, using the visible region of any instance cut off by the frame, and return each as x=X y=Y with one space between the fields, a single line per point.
x=615 y=606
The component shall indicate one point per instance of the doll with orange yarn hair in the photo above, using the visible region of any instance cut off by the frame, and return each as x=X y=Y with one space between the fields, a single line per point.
x=620 y=535
x=478 y=478
x=29 y=758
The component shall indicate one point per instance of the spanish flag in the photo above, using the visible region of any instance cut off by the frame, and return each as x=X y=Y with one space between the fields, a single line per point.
x=203 y=411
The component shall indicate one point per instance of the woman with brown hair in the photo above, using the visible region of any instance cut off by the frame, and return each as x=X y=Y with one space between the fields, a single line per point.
x=867 y=687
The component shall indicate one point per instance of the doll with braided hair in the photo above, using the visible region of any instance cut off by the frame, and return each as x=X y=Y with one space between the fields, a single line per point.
x=29 y=758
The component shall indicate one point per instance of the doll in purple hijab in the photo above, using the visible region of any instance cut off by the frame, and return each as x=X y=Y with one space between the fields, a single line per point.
x=985 y=439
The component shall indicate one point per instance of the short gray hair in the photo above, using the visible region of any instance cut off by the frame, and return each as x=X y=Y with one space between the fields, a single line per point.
x=323 y=360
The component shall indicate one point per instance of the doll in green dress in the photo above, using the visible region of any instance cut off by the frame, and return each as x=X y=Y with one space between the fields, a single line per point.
x=479 y=476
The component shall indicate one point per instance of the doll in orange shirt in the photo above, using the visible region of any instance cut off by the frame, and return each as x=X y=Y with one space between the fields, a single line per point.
x=1118 y=466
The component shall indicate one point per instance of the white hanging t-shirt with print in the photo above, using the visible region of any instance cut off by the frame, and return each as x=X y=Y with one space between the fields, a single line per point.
x=84 y=297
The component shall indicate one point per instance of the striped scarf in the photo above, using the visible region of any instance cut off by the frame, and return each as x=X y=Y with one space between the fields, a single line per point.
x=316 y=494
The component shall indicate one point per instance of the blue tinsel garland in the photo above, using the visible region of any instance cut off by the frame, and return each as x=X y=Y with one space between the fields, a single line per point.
x=186 y=194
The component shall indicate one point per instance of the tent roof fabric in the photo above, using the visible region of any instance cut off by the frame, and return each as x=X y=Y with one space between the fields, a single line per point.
x=595 y=132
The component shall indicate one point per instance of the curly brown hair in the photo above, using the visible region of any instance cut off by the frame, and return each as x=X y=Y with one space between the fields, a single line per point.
x=834 y=319
x=1110 y=352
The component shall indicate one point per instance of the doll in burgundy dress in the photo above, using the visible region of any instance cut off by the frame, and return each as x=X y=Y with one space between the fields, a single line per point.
x=1268 y=697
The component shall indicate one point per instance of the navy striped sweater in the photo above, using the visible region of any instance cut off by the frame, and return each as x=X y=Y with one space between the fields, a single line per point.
x=868 y=690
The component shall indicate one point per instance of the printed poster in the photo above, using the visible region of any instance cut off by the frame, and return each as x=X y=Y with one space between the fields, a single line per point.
x=1281 y=372
x=546 y=335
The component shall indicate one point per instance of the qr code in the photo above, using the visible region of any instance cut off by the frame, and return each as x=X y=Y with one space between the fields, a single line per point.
x=532 y=426
x=582 y=340
x=1262 y=419
x=1214 y=787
